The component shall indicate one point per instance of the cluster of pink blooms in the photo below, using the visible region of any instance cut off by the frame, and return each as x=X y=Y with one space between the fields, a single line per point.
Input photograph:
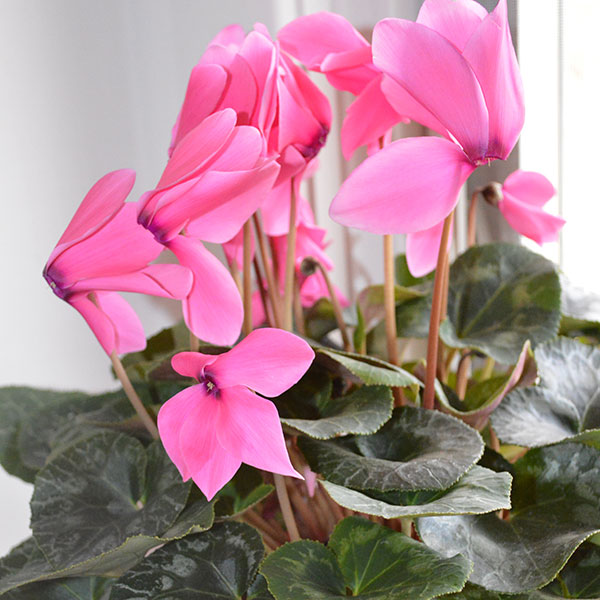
x=250 y=127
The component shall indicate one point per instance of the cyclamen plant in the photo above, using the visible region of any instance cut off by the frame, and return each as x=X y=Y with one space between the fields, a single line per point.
x=473 y=474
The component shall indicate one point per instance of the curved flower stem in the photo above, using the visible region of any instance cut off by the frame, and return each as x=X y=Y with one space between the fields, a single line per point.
x=290 y=263
x=298 y=310
x=194 y=343
x=337 y=309
x=286 y=507
x=472 y=220
x=389 y=299
x=263 y=293
x=441 y=366
x=146 y=419
x=434 y=322
x=272 y=288
x=247 y=280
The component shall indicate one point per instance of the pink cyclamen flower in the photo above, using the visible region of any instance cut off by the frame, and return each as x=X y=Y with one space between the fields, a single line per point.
x=521 y=201
x=216 y=178
x=211 y=428
x=327 y=43
x=250 y=74
x=104 y=250
x=455 y=71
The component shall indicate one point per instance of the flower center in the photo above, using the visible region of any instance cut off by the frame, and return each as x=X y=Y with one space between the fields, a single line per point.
x=209 y=385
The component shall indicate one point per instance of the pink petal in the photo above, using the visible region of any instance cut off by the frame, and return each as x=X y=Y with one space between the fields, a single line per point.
x=351 y=71
x=234 y=198
x=261 y=54
x=529 y=187
x=253 y=431
x=312 y=38
x=492 y=57
x=530 y=221
x=206 y=461
x=101 y=326
x=199 y=145
x=171 y=417
x=456 y=20
x=410 y=185
x=422 y=249
x=112 y=320
x=276 y=207
x=205 y=90
x=304 y=111
x=234 y=249
x=120 y=246
x=432 y=70
x=165 y=280
x=268 y=361
x=213 y=310
x=102 y=201
x=129 y=332
x=191 y=364
x=311 y=481
x=230 y=36
x=368 y=118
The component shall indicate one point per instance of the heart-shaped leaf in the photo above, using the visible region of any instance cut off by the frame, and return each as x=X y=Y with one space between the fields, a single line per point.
x=479 y=491
x=69 y=588
x=500 y=296
x=416 y=449
x=563 y=405
x=365 y=558
x=363 y=411
x=220 y=563
x=370 y=370
x=556 y=506
x=101 y=491
x=17 y=406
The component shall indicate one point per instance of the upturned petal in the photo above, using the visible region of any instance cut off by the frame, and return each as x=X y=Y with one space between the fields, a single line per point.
x=268 y=361
x=422 y=249
x=204 y=92
x=529 y=187
x=103 y=200
x=368 y=118
x=492 y=57
x=410 y=185
x=456 y=20
x=213 y=309
x=253 y=431
x=191 y=364
x=530 y=220
x=433 y=72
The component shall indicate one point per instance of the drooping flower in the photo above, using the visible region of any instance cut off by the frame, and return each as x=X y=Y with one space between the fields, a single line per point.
x=215 y=180
x=521 y=199
x=327 y=43
x=212 y=427
x=455 y=71
x=251 y=75
x=104 y=250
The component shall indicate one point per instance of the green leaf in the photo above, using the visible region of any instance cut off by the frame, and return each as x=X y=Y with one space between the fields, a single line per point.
x=259 y=590
x=370 y=560
x=304 y=399
x=580 y=311
x=370 y=370
x=500 y=296
x=474 y=592
x=17 y=406
x=478 y=491
x=363 y=411
x=69 y=588
x=403 y=275
x=565 y=404
x=556 y=506
x=416 y=449
x=359 y=337
x=246 y=489
x=485 y=396
x=99 y=492
x=320 y=319
x=220 y=563
x=580 y=577
x=27 y=564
